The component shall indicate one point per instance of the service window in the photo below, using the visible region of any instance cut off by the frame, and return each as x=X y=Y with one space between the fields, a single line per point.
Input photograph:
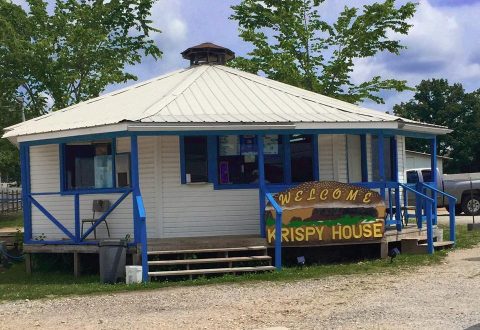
x=301 y=150
x=196 y=159
x=88 y=165
x=237 y=161
x=274 y=158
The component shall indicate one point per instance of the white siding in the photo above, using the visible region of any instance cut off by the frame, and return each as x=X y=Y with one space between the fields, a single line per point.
x=198 y=209
x=354 y=157
x=332 y=156
x=401 y=158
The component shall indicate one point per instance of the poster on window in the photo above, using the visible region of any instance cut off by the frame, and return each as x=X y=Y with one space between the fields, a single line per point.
x=228 y=145
x=248 y=145
x=270 y=145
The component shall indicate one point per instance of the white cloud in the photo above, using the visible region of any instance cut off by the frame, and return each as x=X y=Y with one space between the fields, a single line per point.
x=442 y=43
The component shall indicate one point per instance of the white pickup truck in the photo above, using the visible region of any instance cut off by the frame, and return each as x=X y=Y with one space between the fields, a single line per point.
x=464 y=187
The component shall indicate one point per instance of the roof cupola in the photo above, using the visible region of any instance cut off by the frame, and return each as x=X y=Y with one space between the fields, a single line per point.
x=207 y=53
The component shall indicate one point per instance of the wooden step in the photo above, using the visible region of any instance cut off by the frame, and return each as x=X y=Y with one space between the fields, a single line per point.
x=231 y=249
x=440 y=245
x=207 y=260
x=212 y=271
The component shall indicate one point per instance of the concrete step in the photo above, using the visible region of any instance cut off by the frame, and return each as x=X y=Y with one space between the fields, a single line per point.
x=198 y=251
x=207 y=260
x=211 y=271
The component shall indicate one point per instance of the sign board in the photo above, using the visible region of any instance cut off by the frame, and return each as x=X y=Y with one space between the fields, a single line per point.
x=327 y=212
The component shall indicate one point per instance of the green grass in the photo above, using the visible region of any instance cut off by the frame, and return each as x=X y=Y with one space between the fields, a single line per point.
x=14 y=220
x=15 y=284
x=344 y=221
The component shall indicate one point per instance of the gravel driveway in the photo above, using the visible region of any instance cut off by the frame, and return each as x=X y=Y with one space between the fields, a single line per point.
x=445 y=296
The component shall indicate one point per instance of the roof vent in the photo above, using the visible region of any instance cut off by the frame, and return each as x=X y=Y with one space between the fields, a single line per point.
x=207 y=53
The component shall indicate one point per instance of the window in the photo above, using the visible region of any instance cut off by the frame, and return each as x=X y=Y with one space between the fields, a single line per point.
x=427 y=175
x=412 y=177
x=122 y=167
x=274 y=155
x=237 y=161
x=196 y=159
x=88 y=166
x=301 y=151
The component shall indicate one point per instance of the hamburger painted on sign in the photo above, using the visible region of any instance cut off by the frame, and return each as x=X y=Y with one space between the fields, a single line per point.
x=327 y=212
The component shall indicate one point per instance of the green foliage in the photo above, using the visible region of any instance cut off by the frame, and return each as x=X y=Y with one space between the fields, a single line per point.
x=438 y=102
x=11 y=220
x=52 y=59
x=293 y=44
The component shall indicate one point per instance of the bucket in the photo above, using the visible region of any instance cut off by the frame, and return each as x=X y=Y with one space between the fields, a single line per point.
x=133 y=274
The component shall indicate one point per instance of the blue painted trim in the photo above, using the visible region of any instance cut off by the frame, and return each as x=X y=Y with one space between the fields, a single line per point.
x=52 y=218
x=139 y=214
x=363 y=155
x=104 y=215
x=25 y=177
x=261 y=180
x=114 y=162
x=212 y=159
x=111 y=135
x=183 y=178
x=381 y=161
x=76 y=208
x=236 y=186
x=287 y=159
x=316 y=167
x=88 y=191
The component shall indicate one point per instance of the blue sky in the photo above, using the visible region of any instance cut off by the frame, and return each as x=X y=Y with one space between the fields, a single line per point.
x=443 y=43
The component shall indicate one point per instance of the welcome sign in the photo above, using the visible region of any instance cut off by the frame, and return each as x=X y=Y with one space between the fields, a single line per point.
x=324 y=212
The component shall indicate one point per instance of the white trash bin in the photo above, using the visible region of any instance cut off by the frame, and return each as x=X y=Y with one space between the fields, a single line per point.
x=133 y=274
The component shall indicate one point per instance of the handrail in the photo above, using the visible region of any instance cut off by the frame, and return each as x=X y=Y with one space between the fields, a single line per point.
x=278 y=230
x=438 y=191
x=452 y=201
x=416 y=192
x=428 y=209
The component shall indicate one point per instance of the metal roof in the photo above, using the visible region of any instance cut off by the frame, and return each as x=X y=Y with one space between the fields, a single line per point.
x=210 y=95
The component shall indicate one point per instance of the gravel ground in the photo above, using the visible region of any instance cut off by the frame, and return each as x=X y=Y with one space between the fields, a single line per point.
x=445 y=296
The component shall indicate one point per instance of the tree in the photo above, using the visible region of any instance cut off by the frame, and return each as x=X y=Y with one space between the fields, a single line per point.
x=59 y=59
x=294 y=45
x=438 y=102
x=52 y=59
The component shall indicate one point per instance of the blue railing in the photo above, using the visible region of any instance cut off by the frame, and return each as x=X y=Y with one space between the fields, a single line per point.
x=77 y=237
x=452 y=201
x=429 y=203
x=278 y=230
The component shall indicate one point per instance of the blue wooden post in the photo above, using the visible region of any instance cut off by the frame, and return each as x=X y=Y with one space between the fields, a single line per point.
x=433 y=161
x=261 y=184
x=428 y=208
x=139 y=219
x=418 y=206
x=398 y=205
x=363 y=150
x=76 y=209
x=451 y=207
x=278 y=240
x=381 y=162
x=26 y=203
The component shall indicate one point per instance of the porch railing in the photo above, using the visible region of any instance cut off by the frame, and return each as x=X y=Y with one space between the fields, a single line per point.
x=422 y=200
x=77 y=237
